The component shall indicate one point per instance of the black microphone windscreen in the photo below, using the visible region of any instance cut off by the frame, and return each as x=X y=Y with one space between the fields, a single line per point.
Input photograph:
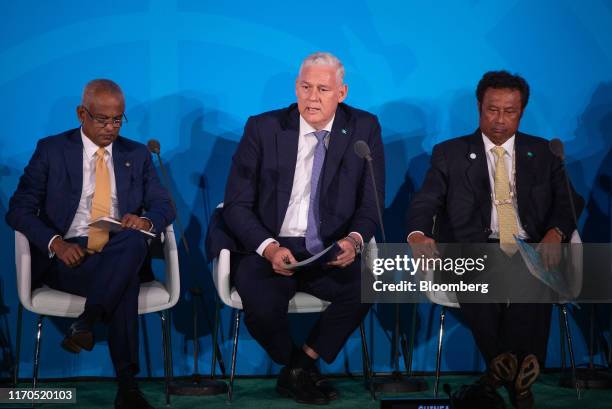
x=154 y=146
x=556 y=147
x=362 y=149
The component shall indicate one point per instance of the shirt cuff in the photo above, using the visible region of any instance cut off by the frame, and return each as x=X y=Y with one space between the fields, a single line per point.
x=149 y=220
x=52 y=254
x=413 y=232
x=359 y=236
x=263 y=246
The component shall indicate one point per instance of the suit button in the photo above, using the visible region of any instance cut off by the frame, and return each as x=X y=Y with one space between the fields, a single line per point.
x=487 y=230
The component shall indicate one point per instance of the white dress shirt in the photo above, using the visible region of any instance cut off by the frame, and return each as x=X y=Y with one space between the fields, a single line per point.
x=491 y=162
x=295 y=221
x=509 y=162
x=82 y=217
x=80 y=224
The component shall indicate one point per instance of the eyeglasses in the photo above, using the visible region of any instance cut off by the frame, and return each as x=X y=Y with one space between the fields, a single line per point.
x=101 y=122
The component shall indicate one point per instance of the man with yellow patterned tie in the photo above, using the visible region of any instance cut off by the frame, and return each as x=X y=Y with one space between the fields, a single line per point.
x=488 y=187
x=76 y=177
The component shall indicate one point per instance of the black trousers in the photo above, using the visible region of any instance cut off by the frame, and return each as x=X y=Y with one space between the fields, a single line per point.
x=520 y=328
x=265 y=297
x=109 y=279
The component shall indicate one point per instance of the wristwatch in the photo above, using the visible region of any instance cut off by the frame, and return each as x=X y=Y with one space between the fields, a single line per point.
x=560 y=233
x=356 y=243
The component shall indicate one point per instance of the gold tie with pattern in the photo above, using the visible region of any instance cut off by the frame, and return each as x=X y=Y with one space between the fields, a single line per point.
x=506 y=214
x=100 y=203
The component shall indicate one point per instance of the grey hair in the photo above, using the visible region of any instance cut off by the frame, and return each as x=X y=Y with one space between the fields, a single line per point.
x=96 y=86
x=324 y=58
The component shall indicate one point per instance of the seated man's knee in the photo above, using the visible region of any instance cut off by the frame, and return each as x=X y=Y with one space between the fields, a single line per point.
x=265 y=310
x=134 y=240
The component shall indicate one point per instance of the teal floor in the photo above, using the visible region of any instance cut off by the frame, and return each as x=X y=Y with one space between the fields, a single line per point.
x=259 y=393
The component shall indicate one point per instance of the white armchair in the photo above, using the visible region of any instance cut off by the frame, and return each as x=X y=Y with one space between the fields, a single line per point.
x=154 y=296
x=300 y=303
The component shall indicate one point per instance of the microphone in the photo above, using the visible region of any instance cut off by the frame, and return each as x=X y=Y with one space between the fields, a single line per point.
x=363 y=151
x=556 y=147
x=155 y=148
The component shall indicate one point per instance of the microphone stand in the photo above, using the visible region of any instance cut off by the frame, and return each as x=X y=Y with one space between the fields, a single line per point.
x=396 y=382
x=197 y=385
x=589 y=377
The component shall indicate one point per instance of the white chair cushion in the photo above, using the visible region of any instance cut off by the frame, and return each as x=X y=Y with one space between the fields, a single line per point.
x=153 y=297
x=300 y=303
x=47 y=301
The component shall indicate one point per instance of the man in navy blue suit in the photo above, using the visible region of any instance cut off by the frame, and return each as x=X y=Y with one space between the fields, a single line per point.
x=71 y=179
x=488 y=187
x=295 y=187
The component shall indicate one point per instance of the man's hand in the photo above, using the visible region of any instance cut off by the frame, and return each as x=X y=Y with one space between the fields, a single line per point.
x=279 y=257
x=422 y=245
x=550 y=249
x=131 y=221
x=346 y=256
x=70 y=254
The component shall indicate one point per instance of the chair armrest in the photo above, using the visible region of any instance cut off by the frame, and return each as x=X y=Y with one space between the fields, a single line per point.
x=173 y=276
x=23 y=267
x=221 y=275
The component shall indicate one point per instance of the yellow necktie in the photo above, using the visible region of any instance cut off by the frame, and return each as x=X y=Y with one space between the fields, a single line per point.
x=101 y=203
x=506 y=214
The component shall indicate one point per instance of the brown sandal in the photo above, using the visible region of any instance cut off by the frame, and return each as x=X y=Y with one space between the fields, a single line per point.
x=503 y=369
x=521 y=396
x=527 y=374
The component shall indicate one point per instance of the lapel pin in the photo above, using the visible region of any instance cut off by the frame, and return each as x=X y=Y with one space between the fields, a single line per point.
x=530 y=154
x=472 y=155
x=128 y=164
x=344 y=131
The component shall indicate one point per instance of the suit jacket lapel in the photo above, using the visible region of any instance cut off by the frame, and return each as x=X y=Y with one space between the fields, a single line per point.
x=478 y=176
x=123 y=172
x=338 y=142
x=73 y=157
x=286 y=154
x=525 y=174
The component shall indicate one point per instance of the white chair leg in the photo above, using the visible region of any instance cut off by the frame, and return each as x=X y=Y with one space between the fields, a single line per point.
x=230 y=390
x=367 y=371
x=439 y=354
x=17 y=345
x=165 y=349
x=37 y=351
x=570 y=348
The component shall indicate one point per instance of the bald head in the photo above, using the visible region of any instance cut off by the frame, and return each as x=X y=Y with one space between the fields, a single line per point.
x=101 y=112
x=100 y=86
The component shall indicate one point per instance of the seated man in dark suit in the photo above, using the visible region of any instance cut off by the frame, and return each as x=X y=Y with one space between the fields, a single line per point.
x=488 y=187
x=295 y=187
x=72 y=179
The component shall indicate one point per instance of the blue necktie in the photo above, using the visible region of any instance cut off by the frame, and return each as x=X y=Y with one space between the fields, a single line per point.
x=314 y=244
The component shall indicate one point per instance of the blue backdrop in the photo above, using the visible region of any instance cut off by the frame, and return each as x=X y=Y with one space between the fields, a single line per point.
x=193 y=71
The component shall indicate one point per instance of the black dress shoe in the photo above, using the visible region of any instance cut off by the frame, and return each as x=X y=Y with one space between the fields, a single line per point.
x=479 y=395
x=296 y=383
x=131 y=398
x=323 y=384
x=79 y=336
